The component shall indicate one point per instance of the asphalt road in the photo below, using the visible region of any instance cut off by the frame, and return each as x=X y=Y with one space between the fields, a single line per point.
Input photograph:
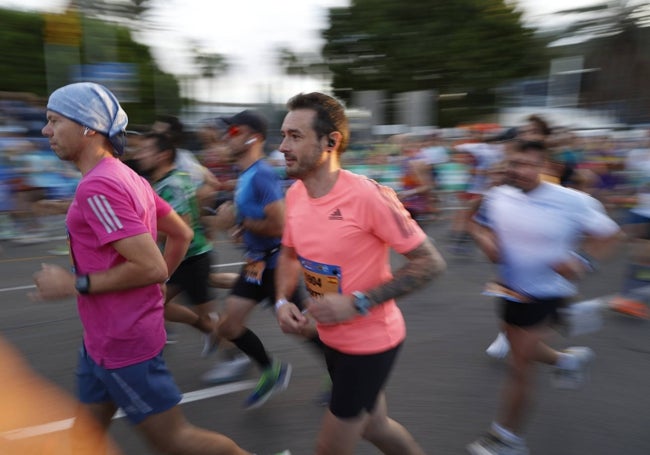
x=444 y=389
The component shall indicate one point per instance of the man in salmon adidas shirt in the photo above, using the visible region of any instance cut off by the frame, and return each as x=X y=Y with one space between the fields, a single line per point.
x=338 y=232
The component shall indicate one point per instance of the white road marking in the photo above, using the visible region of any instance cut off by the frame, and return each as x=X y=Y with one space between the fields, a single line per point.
x=65 y=424
x=18 y=288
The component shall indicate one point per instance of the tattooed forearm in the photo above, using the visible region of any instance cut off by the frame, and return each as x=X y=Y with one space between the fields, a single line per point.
x=424 y=263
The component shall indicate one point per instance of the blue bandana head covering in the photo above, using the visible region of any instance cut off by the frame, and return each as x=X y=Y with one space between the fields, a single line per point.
x=94 y=106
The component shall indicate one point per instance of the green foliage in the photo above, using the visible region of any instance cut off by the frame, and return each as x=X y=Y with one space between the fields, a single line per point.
x=23 y=61
x=468 y=46
x=300 y=64
x=211 y=64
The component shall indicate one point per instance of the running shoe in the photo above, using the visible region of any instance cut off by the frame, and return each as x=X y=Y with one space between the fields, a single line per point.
x=491 y=444
x=210 y=344
x=499 y=348
x=284 y=452
x=273 y=380
x=228 y=371
x=629 y=306
x=573 y=378
x=211 y=339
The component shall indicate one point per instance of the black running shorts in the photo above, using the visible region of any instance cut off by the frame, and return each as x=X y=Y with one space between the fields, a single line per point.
x=540 y=311
x=266 y=290
x=192 y=276
x=357 y=380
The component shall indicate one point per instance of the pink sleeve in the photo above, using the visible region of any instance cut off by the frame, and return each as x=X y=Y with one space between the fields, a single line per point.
x=391 y=222
x=287 y=238
x=162 y=207
x=110 y=212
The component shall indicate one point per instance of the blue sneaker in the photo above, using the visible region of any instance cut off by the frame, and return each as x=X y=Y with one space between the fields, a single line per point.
x=273 y=380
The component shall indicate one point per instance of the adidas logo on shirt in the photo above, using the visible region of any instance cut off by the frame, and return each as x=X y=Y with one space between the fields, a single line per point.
x=336 y=215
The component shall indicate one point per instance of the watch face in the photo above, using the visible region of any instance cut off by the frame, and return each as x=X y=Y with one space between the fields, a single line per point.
x=361 y=302
x=82 y=284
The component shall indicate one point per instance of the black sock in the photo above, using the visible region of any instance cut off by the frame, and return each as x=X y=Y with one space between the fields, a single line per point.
x=252 y=346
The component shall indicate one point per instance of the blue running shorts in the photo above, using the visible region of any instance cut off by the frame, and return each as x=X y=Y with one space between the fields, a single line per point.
x=140 y=390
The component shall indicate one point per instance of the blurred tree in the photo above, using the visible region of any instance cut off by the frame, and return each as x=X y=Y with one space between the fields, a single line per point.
x=614 y=37
x=211 y=66
x=290 y=62
x=22 y=63
x=301 y=64
x=464 y=46
x=609 y=18
x=123 y=11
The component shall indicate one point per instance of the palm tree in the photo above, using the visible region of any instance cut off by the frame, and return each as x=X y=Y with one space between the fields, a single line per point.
x=609 y=18
x=302 y=65
x=211 y=66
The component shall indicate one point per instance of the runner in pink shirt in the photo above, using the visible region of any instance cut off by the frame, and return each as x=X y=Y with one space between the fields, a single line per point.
x=114 y=203
x=338 y=231
x=118 y=278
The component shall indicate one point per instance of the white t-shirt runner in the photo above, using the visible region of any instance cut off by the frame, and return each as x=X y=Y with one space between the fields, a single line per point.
x=539 y=229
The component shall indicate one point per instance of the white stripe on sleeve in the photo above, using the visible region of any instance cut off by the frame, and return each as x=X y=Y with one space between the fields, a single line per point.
x=104 y=213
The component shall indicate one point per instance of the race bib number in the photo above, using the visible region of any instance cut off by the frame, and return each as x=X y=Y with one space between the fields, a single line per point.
x=320 y=278
x=253 y=272
x=498 y=290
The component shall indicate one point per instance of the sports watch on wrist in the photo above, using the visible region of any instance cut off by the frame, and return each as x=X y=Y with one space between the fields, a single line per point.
x=82 y=284
x=361 y=302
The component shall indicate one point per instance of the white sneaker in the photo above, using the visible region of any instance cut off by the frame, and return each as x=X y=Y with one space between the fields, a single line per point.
x=210 y=340
x=491 y=444
x=228 y=370
x=574 y=378
x=499 y=348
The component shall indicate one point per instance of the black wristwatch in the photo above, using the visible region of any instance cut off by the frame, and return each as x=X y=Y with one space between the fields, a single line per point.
x=361 y=302
x=82 y=284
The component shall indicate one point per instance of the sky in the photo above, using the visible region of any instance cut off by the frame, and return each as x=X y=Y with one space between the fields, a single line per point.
x=248 y=32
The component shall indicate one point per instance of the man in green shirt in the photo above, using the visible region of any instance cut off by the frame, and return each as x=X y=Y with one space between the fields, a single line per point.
x=156 y=159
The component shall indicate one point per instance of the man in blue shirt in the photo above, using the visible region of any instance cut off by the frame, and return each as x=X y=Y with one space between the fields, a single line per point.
x=258 y=218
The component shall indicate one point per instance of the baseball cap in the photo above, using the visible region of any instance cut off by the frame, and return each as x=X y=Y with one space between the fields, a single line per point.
x=252 y=119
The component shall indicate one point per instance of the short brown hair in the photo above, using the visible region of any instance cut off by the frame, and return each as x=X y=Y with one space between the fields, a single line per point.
x=330 y=115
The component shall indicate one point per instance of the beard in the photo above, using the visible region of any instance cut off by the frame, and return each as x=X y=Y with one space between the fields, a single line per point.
x=301 y=167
